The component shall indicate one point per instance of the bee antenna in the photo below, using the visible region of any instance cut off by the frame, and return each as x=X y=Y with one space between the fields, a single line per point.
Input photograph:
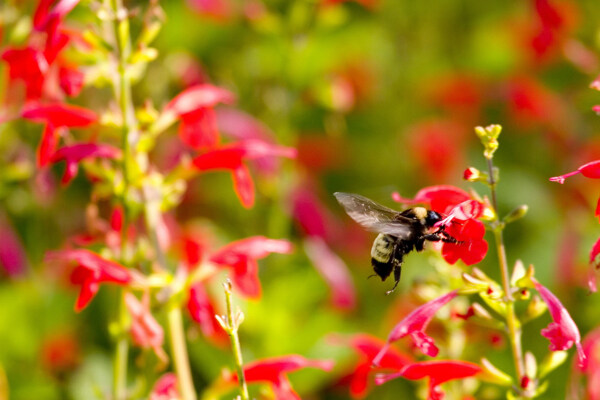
x=372 y=275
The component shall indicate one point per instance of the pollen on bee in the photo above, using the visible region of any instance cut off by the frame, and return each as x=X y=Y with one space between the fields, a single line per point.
x=420 y=212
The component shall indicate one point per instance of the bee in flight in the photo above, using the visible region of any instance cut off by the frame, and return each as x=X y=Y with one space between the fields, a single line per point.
x=399 y=232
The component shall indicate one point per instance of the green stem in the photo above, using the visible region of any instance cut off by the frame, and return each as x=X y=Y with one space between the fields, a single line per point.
x=180 y=354
x=232 y=331
x=121 y=351
x=512 y=323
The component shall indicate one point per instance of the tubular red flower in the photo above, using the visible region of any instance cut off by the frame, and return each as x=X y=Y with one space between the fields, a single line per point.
x=165 y=388
x=230 y=157
x=28 y=65
x=368 y=347
x=334 y=271
x=589 y=170
x=241 y=256
x=440 y=198
x=203 y=312
x=145 y=330
x=438 y=373
x=562 y=332
x=273 y=371
x=414 y=324
x=72 y=155
x=91 y=270
x=471 y=247
x=61 y=115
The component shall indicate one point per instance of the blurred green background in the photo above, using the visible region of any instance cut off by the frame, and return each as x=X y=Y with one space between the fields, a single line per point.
x=378 y=97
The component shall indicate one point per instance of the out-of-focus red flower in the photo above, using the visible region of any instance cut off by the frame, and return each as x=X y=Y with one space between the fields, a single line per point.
x=438 y=373
x=146 y=332
x=273 y=372
x=333 y=269
x=471 y=247
x=165 y=388
x=591 y=366
x=368 y=347
x=241 y=257
x=461 y=95
x=56 y=116
x=90 y=271
x=437 y=147
x=533 y=105
x=70 y=80
x=194 y=107
x=230 y=157
x=74 y=154
x=589 y=170
x=414 y=325
x=562 y=332
x=218 y=9
x=202 y=311
x=60 y=352
x=29 y=66
x=13 y=260
x=594 y=264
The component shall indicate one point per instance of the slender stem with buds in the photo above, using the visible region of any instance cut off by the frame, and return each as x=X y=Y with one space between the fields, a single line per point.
x=230 y=324
x=512 y=323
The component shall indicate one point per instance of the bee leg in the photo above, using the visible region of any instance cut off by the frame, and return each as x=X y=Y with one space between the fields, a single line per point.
x=441 y=236
x=397 y=273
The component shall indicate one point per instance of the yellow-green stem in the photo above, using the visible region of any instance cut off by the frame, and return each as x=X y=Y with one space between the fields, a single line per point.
x=180 y=354
x=512 y=324
x=121 y=351
x=232 y=331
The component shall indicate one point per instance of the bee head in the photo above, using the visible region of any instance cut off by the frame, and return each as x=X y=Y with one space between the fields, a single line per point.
x=432 y=218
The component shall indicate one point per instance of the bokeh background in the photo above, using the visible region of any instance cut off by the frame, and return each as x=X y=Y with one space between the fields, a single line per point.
x=377 y=96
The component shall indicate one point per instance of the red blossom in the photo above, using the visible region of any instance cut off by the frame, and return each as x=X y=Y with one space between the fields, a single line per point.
x=334 y=271
x=71 y=80
x=589 y=170
x=194 y=106
x=202 y=311
x=241 y=257
x=440 y=198
x=230 y=157
x=60 y=352
x=165 y=388
x=594 y=263
x=562 y=332
x=13 y=259
x=368 y=347
x=591 y=366
x=74 y=154
x=471 y=247
x=28 y=65
x=218 y=9
x=90 y=271
x=414 y=325
x=438 y=373
x=273 y=371
x=145 y=330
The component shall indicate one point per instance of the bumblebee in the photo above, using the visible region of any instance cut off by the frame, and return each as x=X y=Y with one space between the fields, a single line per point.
x=399 y=232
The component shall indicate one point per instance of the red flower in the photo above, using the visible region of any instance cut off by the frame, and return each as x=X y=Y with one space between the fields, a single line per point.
x=241 y=256
x=72 y=155
x=368 y=347
x=13 y=259
x=194 y=106
x=90 y=272
x=28 y=65
x=60 y=352
x=71 y=80
x=56 y=116
x=591 y=367
x=562 y=332
x=471 y=247
x=165 y=388
x=273 y=371
x=203 y=312
x=594 y=263
x=589 y=170
x=218 y=9
x=438 y=372
x=414 y=324
x=145 y=330
x=461 y=222
x=334 y=271
x=230 y=157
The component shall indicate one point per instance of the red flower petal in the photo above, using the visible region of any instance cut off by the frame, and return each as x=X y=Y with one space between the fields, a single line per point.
x=563 y=332
x=145 y=330
x=472 y=247
x=61 y=115
x=47 y=145
x=440 y=198
x=243 y=185
x=198 y=128
x=199 y=96
x=72 y=155
x=415 y=323
x=333 y=269
x=165 y=388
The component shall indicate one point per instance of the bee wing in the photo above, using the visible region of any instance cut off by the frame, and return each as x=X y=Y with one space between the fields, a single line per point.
x=373 y=216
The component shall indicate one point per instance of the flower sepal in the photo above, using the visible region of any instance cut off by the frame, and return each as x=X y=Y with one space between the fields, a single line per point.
x=491 y=373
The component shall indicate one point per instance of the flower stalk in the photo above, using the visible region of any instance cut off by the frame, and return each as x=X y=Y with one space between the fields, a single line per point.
x=231 y=324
